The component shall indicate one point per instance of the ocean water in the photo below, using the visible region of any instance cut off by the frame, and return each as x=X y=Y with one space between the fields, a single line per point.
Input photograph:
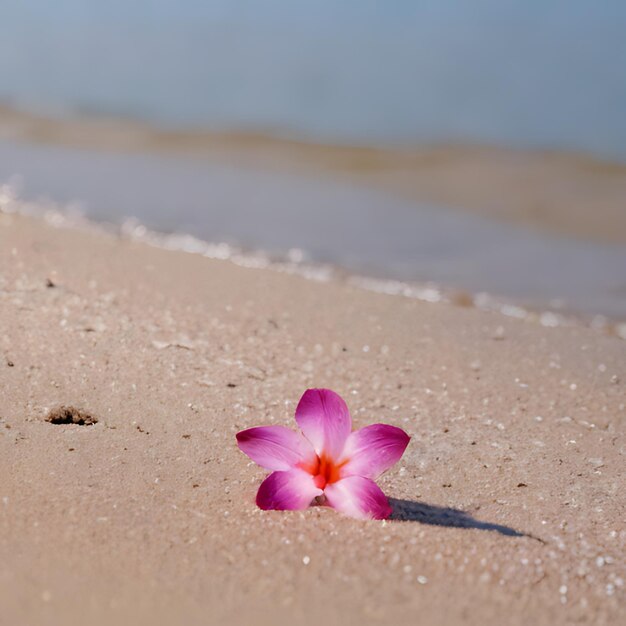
x=538 y=74
x=363 y=231
x=526 y=73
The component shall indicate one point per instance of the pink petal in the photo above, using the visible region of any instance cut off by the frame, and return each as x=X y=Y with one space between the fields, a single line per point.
x=287 y=491
x=373 y=450
x=275 y=447
x=358 y=497
x=325 y=421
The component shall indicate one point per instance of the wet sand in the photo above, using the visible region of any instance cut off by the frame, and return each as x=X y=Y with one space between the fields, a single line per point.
x=509 y=502
x=567 y=194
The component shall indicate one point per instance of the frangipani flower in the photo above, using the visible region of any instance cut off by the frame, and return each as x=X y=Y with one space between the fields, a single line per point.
x=326 y=461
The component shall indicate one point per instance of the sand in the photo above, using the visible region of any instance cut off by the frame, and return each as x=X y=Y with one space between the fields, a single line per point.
x=545 y=190
x=509 y=501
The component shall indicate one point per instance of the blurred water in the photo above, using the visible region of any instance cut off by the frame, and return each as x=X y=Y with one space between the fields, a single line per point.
x=361 y=230
x=529 y=73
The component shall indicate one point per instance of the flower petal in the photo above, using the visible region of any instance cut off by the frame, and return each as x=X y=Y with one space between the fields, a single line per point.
x=275 y=447
x=287 y=491
x=373 y=450
x=325 y=421
x=358 y=497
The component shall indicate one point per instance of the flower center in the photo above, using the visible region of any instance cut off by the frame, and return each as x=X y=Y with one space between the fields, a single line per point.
x=325 y=471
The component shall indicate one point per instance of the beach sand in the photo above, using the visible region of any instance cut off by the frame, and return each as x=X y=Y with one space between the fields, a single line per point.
x=512 y=486
x=549 y=191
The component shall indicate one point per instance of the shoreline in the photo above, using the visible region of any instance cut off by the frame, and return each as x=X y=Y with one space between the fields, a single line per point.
x=546 y=191
x=513 y=426
x=293 y=263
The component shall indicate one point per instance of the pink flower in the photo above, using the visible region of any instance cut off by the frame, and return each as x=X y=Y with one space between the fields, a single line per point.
x=327 y=459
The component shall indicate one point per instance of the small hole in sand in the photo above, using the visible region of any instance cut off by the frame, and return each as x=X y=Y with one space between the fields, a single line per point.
x=70 y=415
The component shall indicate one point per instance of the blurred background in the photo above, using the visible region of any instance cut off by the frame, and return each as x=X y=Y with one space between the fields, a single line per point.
x=480 y=146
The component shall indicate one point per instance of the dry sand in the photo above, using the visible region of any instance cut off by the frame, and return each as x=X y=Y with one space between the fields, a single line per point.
x=548 y=191
x=148 y=516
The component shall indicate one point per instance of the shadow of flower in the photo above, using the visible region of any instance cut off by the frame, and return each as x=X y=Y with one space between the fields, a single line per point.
x=411 y=511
